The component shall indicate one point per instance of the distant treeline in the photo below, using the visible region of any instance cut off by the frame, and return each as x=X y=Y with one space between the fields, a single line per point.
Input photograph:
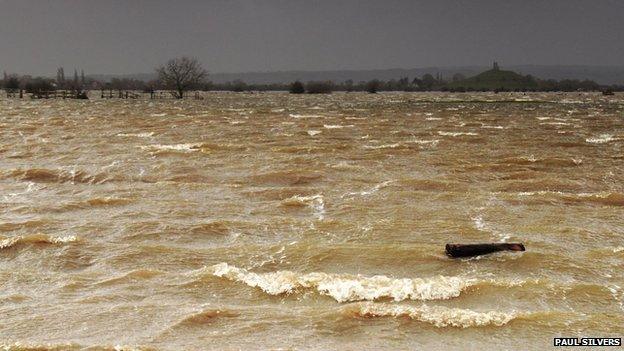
x=80 y=82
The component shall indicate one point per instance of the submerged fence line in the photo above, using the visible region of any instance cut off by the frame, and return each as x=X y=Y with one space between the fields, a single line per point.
x=104 y=94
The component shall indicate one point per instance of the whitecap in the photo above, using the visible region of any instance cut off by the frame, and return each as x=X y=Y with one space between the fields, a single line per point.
x=454 y=134
x=342 y=287
x=438 y=316
x=602 y=139
x=138 y=135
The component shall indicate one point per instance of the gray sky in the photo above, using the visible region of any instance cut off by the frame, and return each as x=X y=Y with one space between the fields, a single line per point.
x=133 y=36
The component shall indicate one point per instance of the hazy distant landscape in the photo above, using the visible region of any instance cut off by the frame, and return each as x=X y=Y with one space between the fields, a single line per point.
x=607 y=75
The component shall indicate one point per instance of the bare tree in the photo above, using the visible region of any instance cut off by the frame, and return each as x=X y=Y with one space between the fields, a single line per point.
x=181 y=74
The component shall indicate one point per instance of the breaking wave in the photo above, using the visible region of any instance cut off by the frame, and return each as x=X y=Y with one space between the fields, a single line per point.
x=345 y=288
x=601 y=139
x=454 y=134
x=336 y=126
x=315 y=202
x=7 y=242
x=188 y=147
x=384 y=146
x=138 y=135
x=371 y=191
x=438 y=316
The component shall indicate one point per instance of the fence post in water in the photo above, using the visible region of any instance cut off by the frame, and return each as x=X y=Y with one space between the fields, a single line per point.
x=21 y=94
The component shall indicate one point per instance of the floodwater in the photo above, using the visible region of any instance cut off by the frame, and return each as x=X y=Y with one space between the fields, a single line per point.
x=275 y=221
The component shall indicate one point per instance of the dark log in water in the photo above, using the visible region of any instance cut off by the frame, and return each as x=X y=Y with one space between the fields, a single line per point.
x=468 y=250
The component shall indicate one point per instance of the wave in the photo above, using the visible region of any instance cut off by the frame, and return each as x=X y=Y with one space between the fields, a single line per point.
x=384 y=146
x=454 y=134
x=336 y=126
x=539 y=185
x=20 y=346
x=107 y=201
x=304 y=116
x=44 y=175
x=204 y=317
x=282 y=178
x=7 y=242
x=34 y=223
x=438 y=316
x=138 y=135
x=138 y=274
x=371 y=191
x=428 y=185
x=430 y=142
x=316 y=202
x=314 y=132
x=218 y=227
x=346 y=288
x=91 y=203
x=549 y=161
x=188 y=147
x=602 y=198
x=601 y=139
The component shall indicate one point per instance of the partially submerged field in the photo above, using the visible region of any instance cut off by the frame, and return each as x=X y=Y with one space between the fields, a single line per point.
x=248 y=221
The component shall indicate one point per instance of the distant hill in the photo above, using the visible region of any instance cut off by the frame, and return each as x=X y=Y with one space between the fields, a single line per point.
x=496 y=79
x=600 y=74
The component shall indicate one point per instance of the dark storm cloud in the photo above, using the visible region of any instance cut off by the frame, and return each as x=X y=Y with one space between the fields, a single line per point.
x=133 y=36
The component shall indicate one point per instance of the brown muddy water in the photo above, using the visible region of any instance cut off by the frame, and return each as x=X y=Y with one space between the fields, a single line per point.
x=273 y=221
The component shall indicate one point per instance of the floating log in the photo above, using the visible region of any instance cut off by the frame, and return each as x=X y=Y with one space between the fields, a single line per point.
x=468 y=250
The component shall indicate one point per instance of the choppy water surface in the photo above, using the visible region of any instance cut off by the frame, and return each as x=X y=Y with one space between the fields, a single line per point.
x=254 y=221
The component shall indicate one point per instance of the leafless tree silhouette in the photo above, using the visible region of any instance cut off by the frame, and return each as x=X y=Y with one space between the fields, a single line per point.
x=181 y=74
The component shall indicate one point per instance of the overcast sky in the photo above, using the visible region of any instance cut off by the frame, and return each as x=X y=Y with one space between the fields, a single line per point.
x=133 y=36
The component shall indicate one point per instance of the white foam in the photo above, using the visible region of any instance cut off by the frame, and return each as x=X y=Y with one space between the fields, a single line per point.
x=313 y=132
x=438 y=316
x=384 y=146
x=602 y=139
x=336 y=126
x=316 y=202
x=6 y=242
x=454 y=134
x=189 y=147
x=432 y=142
x=371 y=191
x=138 y=135
x=304 y=116
x=344 y=287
